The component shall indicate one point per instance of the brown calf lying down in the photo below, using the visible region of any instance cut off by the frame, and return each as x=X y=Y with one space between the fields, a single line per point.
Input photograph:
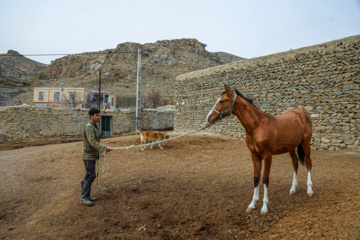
x=153 y=136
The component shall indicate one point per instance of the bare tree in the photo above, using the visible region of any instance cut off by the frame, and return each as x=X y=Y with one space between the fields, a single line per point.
x=154 y=98
x=85 y=100
x=66 y=101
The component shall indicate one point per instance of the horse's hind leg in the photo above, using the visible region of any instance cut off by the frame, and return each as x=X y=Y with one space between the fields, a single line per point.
x=307 y=150
x=305 y=143
x=295 y=165
x=257 y=172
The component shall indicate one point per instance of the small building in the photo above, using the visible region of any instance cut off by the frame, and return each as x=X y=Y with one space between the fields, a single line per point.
x=72 y=97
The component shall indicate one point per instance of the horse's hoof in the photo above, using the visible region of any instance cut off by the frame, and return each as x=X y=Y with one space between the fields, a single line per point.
x=292 y=192
x=249 y=209
x=310 y=194
x=264 y=211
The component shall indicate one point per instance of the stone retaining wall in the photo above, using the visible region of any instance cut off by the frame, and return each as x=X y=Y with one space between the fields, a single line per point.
x=322 y=79
x=25 y=122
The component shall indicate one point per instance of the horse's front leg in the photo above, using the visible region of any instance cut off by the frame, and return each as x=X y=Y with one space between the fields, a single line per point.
x=267 y=166
x=257 y=172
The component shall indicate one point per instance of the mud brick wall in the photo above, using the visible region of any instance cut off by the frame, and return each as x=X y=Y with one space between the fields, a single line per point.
x=322 y=79
x=29 y=122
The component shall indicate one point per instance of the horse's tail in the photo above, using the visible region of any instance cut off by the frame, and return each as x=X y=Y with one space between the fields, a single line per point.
x=301 y=154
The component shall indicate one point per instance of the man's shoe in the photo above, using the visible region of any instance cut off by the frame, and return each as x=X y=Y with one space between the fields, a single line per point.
x=90 y=198
x=85 y=193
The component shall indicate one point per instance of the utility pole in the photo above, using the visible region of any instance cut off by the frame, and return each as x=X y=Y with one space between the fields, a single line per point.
x=138 y=94
x=62 y=94
x=99 y=89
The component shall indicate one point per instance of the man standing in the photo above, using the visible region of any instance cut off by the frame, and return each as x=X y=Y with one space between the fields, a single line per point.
x=91 y=151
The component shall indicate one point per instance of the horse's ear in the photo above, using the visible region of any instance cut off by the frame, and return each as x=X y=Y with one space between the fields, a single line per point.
x=227 y=89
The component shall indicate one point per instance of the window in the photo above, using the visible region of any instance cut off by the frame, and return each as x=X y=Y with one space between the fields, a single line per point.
x=41 y=95
x=112 y=101
x=88 y=98
x=56 y=96
x=72 y=96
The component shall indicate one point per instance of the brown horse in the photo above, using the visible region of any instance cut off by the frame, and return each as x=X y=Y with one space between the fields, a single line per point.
x=268 y=135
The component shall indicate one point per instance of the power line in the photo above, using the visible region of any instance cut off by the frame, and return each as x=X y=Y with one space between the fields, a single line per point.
x=60 y=54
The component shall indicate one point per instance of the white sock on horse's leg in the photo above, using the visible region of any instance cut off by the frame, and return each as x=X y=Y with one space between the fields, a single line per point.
x=254 y=200
x=309 y=185
x=264 y=208
x=294 y=184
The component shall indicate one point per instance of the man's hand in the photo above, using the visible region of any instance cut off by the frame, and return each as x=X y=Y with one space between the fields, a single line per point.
x=108 y=149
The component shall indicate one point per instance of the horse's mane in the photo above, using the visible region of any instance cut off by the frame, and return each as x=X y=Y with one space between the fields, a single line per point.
x=246 y=98
x=241 y=95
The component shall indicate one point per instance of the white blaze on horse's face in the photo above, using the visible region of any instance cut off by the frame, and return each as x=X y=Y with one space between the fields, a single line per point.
x=218 y=112
x=211 y=111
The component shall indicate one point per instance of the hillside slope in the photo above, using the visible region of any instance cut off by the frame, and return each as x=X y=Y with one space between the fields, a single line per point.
x=16 y=72
x=161 y=62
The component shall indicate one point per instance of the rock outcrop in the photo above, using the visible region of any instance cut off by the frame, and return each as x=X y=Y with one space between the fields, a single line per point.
x=16 y=72
x=161 y=62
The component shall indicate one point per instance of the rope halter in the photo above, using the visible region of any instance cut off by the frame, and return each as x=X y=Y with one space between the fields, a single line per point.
x=231 y=108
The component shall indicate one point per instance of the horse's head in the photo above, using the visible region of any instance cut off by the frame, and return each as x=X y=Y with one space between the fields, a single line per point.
x=223 y=107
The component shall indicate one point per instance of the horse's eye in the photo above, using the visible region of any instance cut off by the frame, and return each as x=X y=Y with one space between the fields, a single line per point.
x=221 y=102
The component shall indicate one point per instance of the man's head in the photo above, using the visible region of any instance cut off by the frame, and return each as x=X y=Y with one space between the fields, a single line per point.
x=94 y=114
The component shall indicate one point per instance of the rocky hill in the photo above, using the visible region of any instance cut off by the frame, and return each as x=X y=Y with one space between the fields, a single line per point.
x=16 y=72
x=161 y=62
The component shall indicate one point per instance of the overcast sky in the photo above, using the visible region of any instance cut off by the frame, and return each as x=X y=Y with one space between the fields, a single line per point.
x=246 y=28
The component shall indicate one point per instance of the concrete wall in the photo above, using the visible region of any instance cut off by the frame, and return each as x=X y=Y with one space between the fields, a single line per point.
x=25 y=122
x=322 y=79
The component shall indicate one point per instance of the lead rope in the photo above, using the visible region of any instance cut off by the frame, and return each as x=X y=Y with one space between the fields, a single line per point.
x=106 y=168
x=99 y=166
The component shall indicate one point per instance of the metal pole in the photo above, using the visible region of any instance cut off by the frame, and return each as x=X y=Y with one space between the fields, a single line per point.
x=138 y=94
x=62 y=93
x=99 y=89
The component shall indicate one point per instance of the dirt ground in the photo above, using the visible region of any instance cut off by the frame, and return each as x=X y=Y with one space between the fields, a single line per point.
x=198 y=187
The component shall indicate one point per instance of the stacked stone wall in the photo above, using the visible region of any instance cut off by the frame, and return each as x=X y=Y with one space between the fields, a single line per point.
x=322 y=79
x=29 y=122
